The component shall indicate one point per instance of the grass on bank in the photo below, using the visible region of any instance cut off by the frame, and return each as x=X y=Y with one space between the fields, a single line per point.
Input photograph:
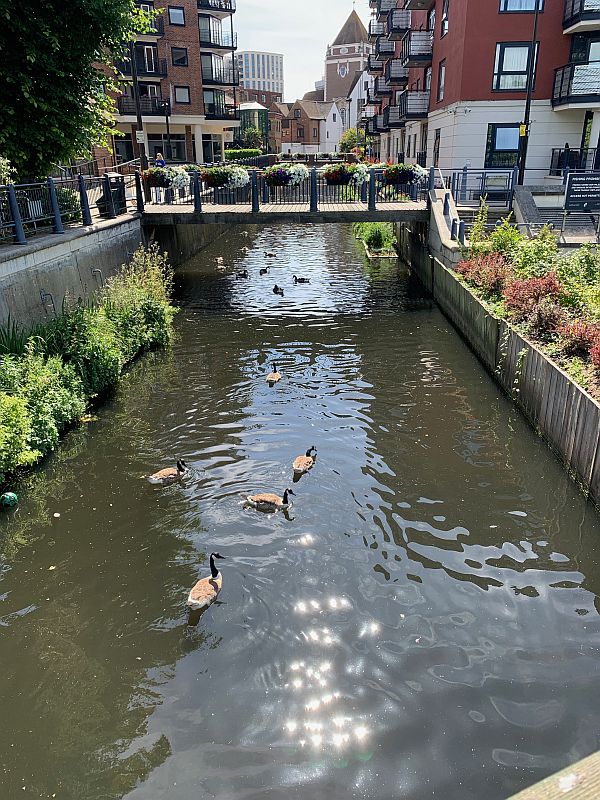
x=552 y=297
x=378 y=236
x=49 y=375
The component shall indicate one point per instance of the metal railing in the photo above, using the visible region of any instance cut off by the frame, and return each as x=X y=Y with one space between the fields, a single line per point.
x=574 y=159
x=155 y=67
x=96 y=167
x=150 y=106
x=581 y=11
x=577 y=83
x=221 y=77
x=413 y=105
x=374 y=64
x=226 y=6
x=54 y=205
x=398 y=23
x=376 y=29
x=417 y=48
x=215 y=38
x=384 y=48
x=395 y=73
x=215 y=111
x=470 y=186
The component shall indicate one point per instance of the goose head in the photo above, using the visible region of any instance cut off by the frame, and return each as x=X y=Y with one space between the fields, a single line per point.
x=311 y=452
x=182 y=467
x=213 y=569
x=286 y=496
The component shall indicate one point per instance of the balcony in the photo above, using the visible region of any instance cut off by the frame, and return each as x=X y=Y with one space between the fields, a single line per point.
x=577 y=85
x=222 y=77
x=395 y=73
x=413 y=105
x=384 y=7
x=149 y=106
x=217 y=40
x=418 y=5
x=586 y=159
x=228 y=113
x=382 y=89
x=393 y=118
x=417 y=49
x=581 y=16
x=376 y=29
x=372 y=99
x=398 y=24
x=380 y=123
x=374 y=65
x=155 y=31
x=372 y=127
x=153 y=68
x=385 y=49
x=217 y=6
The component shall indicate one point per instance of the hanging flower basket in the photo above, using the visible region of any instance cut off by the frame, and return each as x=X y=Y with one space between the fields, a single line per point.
x=337 y=175
x=233 y=177
x=292 y=175
x=403 y=174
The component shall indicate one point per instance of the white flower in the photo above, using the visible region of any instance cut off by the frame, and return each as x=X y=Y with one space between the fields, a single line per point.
x=178 y=177
x=298 y=173
x=238 y=178
x=360 y=175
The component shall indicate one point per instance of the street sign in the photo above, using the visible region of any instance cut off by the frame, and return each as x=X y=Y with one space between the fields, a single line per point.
x=583 y=192
x=522 y=130
x=139 y=137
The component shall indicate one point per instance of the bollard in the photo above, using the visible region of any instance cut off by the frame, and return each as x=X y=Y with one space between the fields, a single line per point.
x=139 y=192
x=372 y=190
x=254 y=181
x=196 y=191
x=15 y=213
x=461 y=232
x=57 y=224
x=86 y=215
x=314 y=190
x=431 y=179
x=447 y=204
x=110 y=206
x=454 y=230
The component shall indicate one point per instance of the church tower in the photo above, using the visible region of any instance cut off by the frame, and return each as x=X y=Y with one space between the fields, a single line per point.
x=345 y=57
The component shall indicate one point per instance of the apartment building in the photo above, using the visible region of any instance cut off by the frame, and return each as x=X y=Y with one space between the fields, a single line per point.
x=188 y=94
x=451 y=83
x=263 y=71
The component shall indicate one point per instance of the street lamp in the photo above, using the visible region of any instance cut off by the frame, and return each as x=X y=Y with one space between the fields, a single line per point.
x=138 y=106
x=165 y=107
x=531 y=68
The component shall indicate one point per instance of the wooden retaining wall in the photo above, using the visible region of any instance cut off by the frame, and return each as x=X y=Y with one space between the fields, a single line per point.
x=563 y=413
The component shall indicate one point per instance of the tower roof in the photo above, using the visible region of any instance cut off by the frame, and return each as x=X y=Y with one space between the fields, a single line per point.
x=353 y=31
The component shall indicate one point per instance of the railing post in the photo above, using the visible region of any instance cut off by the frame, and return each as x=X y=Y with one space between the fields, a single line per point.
x=57 y=225
x=139 y=193
x=110 y=206
x=464 y=184
x=86 y=216
x=254 y=181
x=447 y=204
x=196 y=191
x=461 y=232
x=265 y=191
x=454 y=230
x=363 y=192
x=412 y=192
x=314 y=191
x=431 y=179
x=372 y=190
x=15 y=213
x=566 y=172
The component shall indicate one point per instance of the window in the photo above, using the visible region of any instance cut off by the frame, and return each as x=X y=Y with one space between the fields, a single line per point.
x=512 y=66
x=179 y=56
x=445 y=11
x=436 y=147
x=297 y=113
x=428 y=79
x=335 y=117
x=182 y=94
x=176 y=15
x=431 y=20
x=300 y=132
x=502 y=147
x=519 y=5
x=285 y=124
x=441 y=81
x=315 y=133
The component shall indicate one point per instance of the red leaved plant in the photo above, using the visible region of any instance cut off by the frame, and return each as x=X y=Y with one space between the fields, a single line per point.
x=488 y=272
x=579 y=338
x=595 y=355
x=523 y=296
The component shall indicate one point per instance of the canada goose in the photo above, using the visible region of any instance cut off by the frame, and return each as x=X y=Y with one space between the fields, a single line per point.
x=270 y=502
x=304 y=464
x=270 y=255
x=206 y=591
x=243 y=274
x=170 y=474
x=274 y=377
x=265 y=271
x=301 y=280
x=278 y=290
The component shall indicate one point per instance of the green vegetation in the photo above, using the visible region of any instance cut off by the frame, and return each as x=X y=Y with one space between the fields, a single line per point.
x=48 y=376
x=352 y=139
x=253 y=138
x=241 y=153
x=56 y=86
x=378 y=236
x=550 y=296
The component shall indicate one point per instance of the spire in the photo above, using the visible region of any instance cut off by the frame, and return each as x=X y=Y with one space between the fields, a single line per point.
x=353 y=31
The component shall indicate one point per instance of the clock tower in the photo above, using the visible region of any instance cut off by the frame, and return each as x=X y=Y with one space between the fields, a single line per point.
x=345 y=57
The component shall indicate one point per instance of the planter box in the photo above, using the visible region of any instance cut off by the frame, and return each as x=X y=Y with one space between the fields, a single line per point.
x=230 y=197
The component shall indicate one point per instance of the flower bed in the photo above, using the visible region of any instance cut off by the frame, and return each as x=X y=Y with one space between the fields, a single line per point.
x=284 y=175
x=395 y=174
x=230 y=177
x=345 y=174
x=168 y=177
x=553 y=298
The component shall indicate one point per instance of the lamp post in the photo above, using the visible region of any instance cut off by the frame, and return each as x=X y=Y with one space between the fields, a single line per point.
x=531 y=68
x=165 y=106
x=138 y=105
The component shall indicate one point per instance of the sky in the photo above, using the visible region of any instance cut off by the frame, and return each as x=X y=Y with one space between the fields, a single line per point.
x=300 y=29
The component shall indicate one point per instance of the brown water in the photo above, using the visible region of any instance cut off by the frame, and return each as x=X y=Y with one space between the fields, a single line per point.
x=424 y=623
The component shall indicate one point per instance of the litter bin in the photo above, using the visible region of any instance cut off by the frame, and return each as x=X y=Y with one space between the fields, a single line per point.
x=117 y=192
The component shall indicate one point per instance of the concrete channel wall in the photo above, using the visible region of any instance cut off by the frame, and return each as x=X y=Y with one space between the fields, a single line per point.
x=563 y=413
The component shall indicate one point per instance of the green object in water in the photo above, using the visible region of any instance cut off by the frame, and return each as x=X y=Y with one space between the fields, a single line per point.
x=9 y=500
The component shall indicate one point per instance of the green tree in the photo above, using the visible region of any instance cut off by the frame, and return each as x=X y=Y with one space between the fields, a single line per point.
x=351 y=139
x=253 y=137
x=56 y=79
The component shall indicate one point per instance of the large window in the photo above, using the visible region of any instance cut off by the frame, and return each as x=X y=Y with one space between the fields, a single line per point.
x=511 y=66
x=519 y=5
x=179 y=56
x=182 y=94
x=441 y=81
x=176 y=15
x=445 y=12
x=502 y=146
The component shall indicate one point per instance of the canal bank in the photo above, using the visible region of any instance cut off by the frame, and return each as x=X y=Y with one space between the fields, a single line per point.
x=425 y=622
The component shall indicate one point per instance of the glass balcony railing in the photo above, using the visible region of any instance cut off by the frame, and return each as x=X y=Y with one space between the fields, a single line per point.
x=577 y=84
x=583 y=14
x=224 y=6
x=218 y=39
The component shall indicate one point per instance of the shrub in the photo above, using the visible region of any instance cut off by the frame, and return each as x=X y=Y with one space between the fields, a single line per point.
x=242 y=153
x=545 y=318
x=69 y=204
x=506 y=239
x=595 y=355
x=578 y=338
x=536 y=257
x=579 y=275
x=488 y=272
x=523 y=296
x=376 y=235
x=15 y=427
x=7 y=171
x=231 y=177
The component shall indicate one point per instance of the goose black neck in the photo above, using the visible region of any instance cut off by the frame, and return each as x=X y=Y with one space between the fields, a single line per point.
x=213 y=570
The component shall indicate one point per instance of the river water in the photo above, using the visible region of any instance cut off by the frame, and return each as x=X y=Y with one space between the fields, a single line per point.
x=423 y=623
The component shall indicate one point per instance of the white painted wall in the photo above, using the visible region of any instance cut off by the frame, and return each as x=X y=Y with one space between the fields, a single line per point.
x=464 y=133
x=332 y=130
x=358 y=95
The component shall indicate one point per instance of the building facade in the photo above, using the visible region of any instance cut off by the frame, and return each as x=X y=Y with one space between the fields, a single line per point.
x=188 y=94
x=311 y=127
x=345 y=58
x=451 y=83
x=254 y=115
x=262 y=71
